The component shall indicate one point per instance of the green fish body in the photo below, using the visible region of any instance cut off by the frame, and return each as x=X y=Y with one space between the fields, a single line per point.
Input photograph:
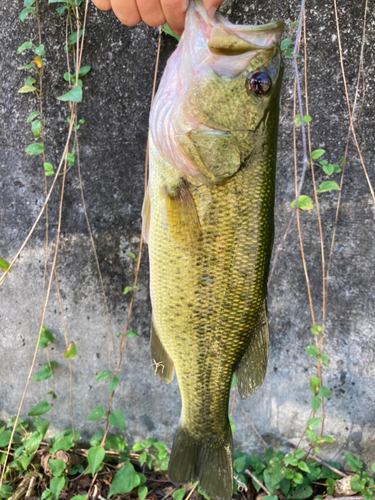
x=208 y=219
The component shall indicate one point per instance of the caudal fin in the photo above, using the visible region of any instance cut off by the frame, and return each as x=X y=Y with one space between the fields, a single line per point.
x=211 y=462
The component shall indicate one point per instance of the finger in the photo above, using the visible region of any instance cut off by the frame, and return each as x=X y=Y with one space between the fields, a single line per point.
x=126 y=11
x=211 y=6
x=151 y=12
x=175 y=12
x=102 y=4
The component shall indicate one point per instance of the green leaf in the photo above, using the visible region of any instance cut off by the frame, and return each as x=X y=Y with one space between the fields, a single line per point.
x=28 y=3
x=116 y=443
x=373 y=467
x=304 y=203
x=315 y=329
x=39 y=51
x=127 y=289
x=6 y=491
x=25 y=12
x=301 y=492
x=336 y=168
x=57 y=466
x=5 y=438
x=324 y=392
x=26 y=89
x=30 y=80
x=168 y=31
x=317 y=153
x=26 y=66
x=142 y=492
x=356 y=485
x=314 y=384
x=45 y=337
x=60 y=11
x=41 y=425
x=74 y=95
x=234 y=381
x=303 y=466
x=312 y=351
x=78 y=497
x=71 y=351
x=64 y=444
x=4 y=265
x=103 y=375
x=131 y=254
x=328 y=186
x=36 y=128
x=48 y=169
x=56 y=485
x=113 y=384
x=297 y=120
x=46 y=372
x=73 y=37
x=35 y=149
x=96 y=438
x=179 y=494
x=138 y=446
x=315 y=403
x=84 y=70
x=95 y=457
x=96 y=413
x=314 y=423
x=39 y=409
x=132 y=333
x=307 y=118
x=31 y=116
x=328 y=169
x=24 y=46
x=117 y=419
x=297 y=478
x=125 y=480
x=286 y=43
x=355 y=464
x=142 y=458
x=33 y=442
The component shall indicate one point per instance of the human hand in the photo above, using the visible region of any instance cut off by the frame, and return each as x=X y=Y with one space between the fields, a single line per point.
x=154 y=12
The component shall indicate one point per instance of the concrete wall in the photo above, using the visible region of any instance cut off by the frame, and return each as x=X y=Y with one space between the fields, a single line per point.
x=112 y=146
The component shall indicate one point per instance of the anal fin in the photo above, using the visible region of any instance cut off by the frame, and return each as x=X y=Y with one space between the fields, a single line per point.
x=162 y=362
x=252 y=368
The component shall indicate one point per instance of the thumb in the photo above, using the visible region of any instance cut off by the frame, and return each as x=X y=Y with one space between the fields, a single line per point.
x=211 y=6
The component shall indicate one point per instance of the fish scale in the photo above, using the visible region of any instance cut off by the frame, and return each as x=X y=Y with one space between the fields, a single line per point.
x=208 y=220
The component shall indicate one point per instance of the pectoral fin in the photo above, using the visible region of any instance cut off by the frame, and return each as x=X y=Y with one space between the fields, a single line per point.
x=146 y=215
x=181 y=219
x=253 y=366
x=162 y=363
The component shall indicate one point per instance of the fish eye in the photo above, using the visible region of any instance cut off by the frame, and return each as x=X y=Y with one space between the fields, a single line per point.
x=258 y=82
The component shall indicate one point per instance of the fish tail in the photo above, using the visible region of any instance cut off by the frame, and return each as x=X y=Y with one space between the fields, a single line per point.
x=209 y=461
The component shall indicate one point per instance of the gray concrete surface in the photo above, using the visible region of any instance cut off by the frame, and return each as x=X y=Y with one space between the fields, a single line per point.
x=112 y=146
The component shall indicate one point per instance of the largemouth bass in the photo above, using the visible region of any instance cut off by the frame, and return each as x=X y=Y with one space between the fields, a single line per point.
x=208 y=219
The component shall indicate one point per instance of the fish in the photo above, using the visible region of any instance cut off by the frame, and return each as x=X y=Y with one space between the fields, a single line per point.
x=208 y=220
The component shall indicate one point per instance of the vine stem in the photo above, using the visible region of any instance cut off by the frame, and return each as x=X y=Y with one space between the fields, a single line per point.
x=351 y=125
x=135 y=276
x=305 y=160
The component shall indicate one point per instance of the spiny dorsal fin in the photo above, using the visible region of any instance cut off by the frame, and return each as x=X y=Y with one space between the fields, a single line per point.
x=162 y=363
x=253 y=366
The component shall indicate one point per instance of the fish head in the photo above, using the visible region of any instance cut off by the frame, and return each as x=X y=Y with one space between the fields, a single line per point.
x=219 y=93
